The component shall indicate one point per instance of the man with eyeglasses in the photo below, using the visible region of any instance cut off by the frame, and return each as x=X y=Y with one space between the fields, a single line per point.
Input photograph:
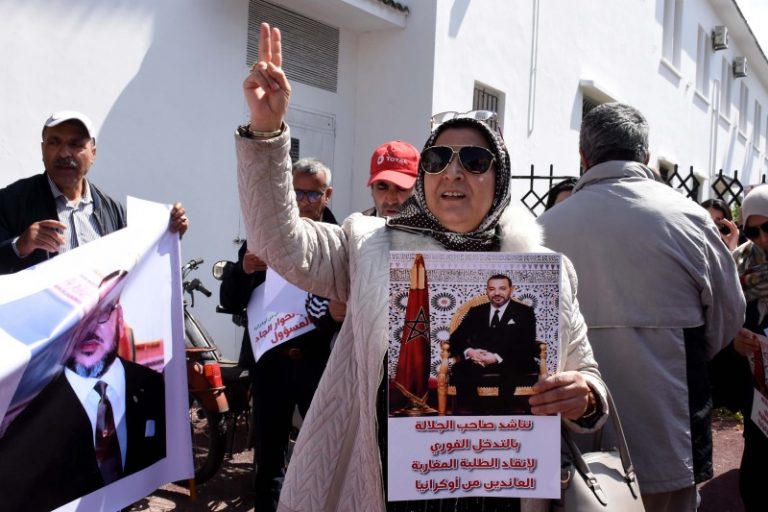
x=102 y=418
x=286 y=376
x=59 y=209
x=660 y=294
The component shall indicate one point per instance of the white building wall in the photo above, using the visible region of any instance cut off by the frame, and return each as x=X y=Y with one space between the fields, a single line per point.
x=539 y=52
x=162 y=81
x=394 y=92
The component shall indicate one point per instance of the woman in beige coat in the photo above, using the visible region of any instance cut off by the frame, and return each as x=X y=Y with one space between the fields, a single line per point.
x=337 y=465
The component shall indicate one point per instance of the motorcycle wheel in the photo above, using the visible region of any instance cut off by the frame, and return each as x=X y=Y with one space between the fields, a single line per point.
x=209 y=437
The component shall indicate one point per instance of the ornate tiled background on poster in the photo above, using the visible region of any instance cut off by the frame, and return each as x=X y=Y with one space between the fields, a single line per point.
x=456 y=277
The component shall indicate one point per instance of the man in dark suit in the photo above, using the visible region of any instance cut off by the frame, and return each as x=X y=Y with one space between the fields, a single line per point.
x=495 y=346
x=100 y=419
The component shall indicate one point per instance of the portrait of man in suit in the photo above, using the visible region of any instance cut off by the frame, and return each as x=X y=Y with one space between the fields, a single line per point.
x=494 y=348
x=100 y=419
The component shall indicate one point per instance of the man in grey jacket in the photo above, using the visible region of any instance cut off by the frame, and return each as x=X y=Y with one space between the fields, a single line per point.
x=660 y=294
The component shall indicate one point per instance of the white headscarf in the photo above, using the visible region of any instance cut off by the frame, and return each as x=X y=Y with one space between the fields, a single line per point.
x=756 y=203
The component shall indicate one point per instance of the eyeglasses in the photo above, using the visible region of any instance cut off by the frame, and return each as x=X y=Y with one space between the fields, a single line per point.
x=473 y=159
x=487 y=116
x=312 y=196
x=753 y=232
x=104 y=314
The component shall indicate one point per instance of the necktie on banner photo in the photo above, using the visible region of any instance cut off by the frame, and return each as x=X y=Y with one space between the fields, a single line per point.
x=495 y=320
x=106 y=443
x=412 y=378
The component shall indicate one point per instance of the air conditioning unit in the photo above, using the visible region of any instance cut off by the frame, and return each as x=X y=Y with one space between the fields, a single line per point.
x=740 y=67
x=720 y=38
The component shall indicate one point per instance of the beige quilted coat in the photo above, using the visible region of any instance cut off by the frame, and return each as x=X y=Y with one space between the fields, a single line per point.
x=335 y=465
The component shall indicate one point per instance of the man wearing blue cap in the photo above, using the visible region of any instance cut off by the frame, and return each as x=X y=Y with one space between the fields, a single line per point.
x=59 y=209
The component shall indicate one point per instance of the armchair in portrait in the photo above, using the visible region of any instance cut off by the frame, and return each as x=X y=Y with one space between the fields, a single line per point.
x=503 y=385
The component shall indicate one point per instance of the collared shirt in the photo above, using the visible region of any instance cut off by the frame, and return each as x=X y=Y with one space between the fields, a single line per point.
x=89 y=398
x=501 y=311
x=82 y=226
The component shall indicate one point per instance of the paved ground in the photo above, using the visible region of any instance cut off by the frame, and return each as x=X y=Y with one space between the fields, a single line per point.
x=721 y=494
x=227 y=491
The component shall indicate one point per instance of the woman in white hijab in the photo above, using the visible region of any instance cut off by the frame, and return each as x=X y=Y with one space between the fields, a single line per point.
x=752 y=263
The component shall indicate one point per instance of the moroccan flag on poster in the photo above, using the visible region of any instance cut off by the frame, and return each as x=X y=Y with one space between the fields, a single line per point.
x=412 y=376
x=759 y=370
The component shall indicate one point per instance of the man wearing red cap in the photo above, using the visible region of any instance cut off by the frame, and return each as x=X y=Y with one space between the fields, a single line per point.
x=394 y=166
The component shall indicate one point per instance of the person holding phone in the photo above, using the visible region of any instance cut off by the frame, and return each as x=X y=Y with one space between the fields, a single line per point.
x=721 y=215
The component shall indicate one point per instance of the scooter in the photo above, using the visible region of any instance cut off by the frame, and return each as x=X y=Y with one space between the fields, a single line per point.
x=219 y=394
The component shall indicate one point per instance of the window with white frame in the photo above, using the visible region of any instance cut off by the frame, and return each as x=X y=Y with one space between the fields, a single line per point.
x=743 y=107
x=756 y=128
x=726 y=83
x=673 y=27
x=702 y=63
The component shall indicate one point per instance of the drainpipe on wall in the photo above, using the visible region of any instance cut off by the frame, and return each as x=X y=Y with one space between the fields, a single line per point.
x=534 y=59
x=713 y=130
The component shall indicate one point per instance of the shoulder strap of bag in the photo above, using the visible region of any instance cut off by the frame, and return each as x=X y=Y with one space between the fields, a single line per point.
x=626 y=461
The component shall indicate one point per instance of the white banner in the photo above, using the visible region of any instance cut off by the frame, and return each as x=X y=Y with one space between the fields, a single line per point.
x=105 y=318
x=760 y=379
x=280 y=295
x=269 y=329
x=760 y=411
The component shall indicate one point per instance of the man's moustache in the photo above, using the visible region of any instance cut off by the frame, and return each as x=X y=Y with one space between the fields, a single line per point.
x=65 y=162
x=89 y=337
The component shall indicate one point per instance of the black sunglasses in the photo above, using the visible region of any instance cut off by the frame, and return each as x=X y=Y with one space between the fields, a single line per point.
x=312 y=196
x=753 y=232
x=473 y=159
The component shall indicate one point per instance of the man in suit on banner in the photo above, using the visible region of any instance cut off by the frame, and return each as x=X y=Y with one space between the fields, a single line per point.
x=495 y=346
x=100 y=419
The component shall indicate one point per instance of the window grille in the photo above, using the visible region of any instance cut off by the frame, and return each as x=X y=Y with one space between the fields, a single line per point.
x=294 y=151
x=310 y=48
x=486 y=98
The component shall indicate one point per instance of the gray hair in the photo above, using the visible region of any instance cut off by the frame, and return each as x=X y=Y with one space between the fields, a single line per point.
x=614 y=131
x=312 y=166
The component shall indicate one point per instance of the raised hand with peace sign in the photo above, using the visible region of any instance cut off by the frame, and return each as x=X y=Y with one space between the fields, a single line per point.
x=266 y=88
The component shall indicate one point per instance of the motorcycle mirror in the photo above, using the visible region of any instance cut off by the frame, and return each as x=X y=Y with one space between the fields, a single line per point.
x=221 y=269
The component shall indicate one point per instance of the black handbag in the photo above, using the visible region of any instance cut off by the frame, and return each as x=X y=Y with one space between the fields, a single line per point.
x=601 y=480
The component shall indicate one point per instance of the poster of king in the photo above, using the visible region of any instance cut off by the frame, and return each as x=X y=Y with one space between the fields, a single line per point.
x=470 y=334
x=93 y=391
